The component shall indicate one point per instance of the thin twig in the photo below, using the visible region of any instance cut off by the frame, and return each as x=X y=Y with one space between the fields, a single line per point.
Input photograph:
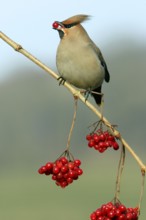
x=119 y=174
x=73 y=124
x=75 y=92
x=142 y=189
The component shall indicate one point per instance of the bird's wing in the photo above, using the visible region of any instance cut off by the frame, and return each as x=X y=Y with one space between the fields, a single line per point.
x=103 y=63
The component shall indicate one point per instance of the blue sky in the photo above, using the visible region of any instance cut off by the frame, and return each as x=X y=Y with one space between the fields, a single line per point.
x=29 y=23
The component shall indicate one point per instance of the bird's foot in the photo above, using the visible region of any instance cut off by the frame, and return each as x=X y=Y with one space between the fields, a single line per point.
x=86 y=93
x=61 y=80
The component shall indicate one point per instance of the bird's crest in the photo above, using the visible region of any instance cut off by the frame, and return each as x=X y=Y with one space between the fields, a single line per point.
x=77 y=19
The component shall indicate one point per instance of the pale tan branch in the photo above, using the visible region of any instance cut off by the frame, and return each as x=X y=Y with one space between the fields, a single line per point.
x=75 y=92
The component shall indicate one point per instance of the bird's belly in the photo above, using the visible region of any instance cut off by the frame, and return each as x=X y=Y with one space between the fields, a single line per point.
x=84 y=74
x=84 y=80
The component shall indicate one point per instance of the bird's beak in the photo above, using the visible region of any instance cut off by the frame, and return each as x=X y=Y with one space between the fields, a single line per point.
x=57 y=25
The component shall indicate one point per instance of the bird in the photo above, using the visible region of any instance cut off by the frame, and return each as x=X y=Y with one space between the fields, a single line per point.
x=79 y=61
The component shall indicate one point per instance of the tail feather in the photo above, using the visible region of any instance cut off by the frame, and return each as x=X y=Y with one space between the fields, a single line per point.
x=97 y=97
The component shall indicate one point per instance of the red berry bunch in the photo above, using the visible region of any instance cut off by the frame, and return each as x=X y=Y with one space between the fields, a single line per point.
x=116 y=211
x=63 y=171
x=101 y=140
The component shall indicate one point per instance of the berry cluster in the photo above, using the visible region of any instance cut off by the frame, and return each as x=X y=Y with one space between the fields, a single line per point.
x=118 y=211
x=101 y=140
x=63 y=171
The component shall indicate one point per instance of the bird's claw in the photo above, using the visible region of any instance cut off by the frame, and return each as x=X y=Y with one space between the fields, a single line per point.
x=87 y=93
x=61 y=80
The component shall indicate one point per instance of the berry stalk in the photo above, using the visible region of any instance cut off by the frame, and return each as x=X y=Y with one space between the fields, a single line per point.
x=119 y=173
x=73 y=123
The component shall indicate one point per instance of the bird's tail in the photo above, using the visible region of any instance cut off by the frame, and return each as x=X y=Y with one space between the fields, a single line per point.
x=97 y=97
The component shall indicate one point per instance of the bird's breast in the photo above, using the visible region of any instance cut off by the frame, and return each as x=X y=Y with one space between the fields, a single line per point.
x=80 y=65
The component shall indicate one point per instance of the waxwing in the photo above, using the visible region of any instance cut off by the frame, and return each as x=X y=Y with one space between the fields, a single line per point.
x=79 y=61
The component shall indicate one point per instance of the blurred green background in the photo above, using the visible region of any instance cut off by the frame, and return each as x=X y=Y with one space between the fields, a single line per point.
x=36 y=114
x=35 y=120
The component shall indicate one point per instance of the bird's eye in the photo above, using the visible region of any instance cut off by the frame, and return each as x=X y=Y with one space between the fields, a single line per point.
x=55 y=25
x=68 y=25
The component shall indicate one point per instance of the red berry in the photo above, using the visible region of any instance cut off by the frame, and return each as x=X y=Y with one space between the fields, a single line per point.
x=71 y=174
x=42 y=170
x=107 y=209
x=118 y=212
x=115 y=145
x=88 y=137
x=111 y=138
x=75 y=175
x=93 y=216
x=122 y=217
x=101 y=144
x=59 y=163
x=49 y=166
x=91 y=143
x=111 y=214
x=56 y=170
x=110 y=143
x=107 y=144
x=55 y=25
x=106 y=133
x=102 y=137
x=101 y=218
x=64 y=160
x=71 y=165
x=54 y=177
x=103 y=209
x=96 y=138
x=136 y=210
x=65 y=175
x=129 y=216
x=129 y=209
x=48 y=172
x=122 y=208
x=79 y=171
x=98 y=212
x=59 y=176
x=64 y=169
x=114 y=208
x=77 y=162
x=110 y=205
x=63 y=184
x=134 y=216
x=69 y=180
x=96 y=147
x=101 y=149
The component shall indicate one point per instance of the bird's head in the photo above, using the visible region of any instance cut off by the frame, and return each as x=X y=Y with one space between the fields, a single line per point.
x=65 y=26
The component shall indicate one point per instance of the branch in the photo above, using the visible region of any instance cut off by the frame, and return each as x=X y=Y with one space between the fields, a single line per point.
x=75 y=92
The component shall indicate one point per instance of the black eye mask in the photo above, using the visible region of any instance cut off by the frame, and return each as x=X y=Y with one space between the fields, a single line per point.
x=69 y=25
